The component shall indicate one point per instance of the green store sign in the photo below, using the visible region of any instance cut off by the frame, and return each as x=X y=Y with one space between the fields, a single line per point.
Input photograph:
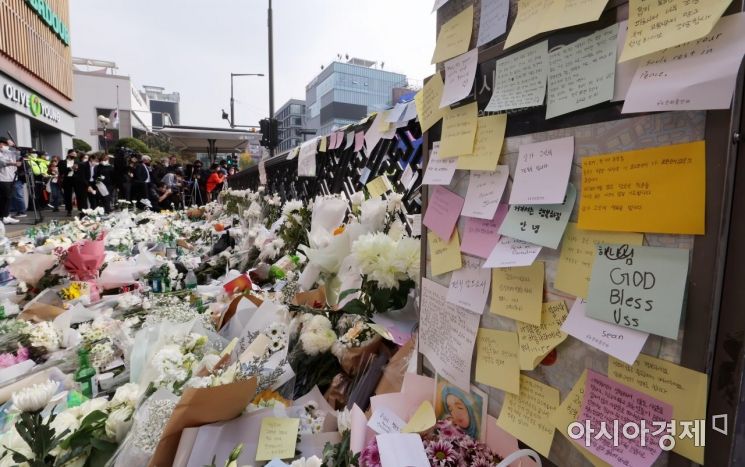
x=42 y=9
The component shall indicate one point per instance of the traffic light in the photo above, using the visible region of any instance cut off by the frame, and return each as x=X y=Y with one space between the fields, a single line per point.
x=269 y=132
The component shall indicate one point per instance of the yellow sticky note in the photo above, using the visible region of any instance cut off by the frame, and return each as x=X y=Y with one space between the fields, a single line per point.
x=537 y=341
x=427 y=102
x=445 y=256
x=487 y=146
x=517 y=293
x=655 y=25
x=454 y=37
x=459 y=131
x=578 y=252
x=660 y=190
x=526 y=416
x=277 y=438
x=322 y=147
x=379 y=186
x=537 y=16
x=567 y=413
x=422 y=420
x=681 y=387
x=496 y=360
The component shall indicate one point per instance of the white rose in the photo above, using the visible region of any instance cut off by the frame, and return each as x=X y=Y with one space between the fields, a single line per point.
x=119 y=423
x=65 y=421
x=128 y=394
x=92 y=405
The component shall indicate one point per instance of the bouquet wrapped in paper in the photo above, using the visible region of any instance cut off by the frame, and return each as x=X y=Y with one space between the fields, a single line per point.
x=84 y=259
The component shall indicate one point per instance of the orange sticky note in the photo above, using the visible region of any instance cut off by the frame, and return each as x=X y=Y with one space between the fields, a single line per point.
x=659 y=190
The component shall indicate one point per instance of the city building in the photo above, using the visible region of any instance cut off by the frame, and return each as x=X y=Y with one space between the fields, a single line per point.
x=345 y=92
x=163 y=105
x=291 y=118
x=100 y=92
x=36 y=85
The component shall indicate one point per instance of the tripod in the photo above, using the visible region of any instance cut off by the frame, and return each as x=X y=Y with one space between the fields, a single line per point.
x=31 y=189
x=196 y=192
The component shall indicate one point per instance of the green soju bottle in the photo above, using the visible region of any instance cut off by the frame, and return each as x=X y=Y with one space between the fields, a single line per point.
x=84 y=375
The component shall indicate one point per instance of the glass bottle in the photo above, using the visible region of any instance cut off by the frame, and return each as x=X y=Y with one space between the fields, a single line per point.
x=190 y=282
x=85 y=373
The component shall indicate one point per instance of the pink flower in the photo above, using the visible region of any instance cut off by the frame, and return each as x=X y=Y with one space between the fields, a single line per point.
x=441 y=453
x=370 y=456
x=7 y=359
x=22 y=355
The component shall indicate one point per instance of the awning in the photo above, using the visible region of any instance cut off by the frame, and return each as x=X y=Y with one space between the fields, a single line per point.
x=209 y=140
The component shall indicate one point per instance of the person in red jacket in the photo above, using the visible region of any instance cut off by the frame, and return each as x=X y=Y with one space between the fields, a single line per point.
x=214 y=181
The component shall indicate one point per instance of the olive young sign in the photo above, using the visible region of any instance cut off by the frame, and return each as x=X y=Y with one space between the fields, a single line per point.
x=639 y=287
x=32 y=102
x=50 y=18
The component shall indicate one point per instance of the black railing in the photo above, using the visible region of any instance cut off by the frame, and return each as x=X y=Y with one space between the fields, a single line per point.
x=346 y=171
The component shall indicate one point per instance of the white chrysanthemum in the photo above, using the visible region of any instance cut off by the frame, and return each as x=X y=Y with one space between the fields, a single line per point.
x=368 y=250
x=11 y=440
x=91 y=405
x=291 y=207
x=395 y=202
x=317 y=323
x=373 y=214
x=66 y=420
x=119 y=423
x=316 y=342
x=344 y=420
x=357 y=198
x=254 y=210
x=34 y=398
x=408 y=259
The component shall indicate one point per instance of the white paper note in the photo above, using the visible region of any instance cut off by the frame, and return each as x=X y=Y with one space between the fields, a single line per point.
x=485 y=190
x=581 y=73
x=618 y=341
x=510 y=252
x=697 y=75
x=469 y=286
x=542 y=172
x=520 y=79
x=402 y=450
x=624 y=70
x=447 y=334
x=459 y=75
x=385 y=421
x=306 y=162
x=439 y=171
x=493 y=20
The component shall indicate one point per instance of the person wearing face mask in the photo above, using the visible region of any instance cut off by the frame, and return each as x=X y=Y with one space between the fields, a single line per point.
x=81 y=182
x=142 y=181
x=8 y=168
x=92 y=193
x=54 y=185
x=103 y=174
x=66 y=170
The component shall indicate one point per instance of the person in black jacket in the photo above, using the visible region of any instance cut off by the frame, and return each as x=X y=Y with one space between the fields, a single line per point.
x=67 y=170
x=141 y=181
x=81 y=180
x=103 y=176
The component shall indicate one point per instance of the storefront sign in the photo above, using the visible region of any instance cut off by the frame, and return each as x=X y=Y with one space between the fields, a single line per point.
x=32 y=102
x=51 y=19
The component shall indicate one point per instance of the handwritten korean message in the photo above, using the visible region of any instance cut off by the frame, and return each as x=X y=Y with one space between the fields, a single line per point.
x=454 y=36
x=541 y=224
x=536 y=341
x=542 y=172
x=661 y=190
x=487 y=146
x=517 y=293
x=427 y=103
x=485 y=190
x=496 y=360
x=459 y=130
x=277 y=438
x=520 y=79
x=480 y=236
x=447 y=334
x=469 y=286
x=459 y=75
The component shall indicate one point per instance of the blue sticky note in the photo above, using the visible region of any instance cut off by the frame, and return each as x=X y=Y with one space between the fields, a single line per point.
x=639 y=287
x=540 y=224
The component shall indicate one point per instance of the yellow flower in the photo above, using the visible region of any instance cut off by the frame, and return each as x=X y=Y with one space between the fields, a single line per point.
x=267 y=395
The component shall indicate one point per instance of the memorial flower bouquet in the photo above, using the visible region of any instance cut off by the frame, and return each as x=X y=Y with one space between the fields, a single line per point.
x=389 y=269
x=446 y=446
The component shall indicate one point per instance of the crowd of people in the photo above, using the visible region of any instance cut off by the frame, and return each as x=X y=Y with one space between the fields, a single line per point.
x=32 y=179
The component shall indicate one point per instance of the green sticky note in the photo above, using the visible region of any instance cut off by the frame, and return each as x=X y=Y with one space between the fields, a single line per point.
x=639 y=287
x=540 y=224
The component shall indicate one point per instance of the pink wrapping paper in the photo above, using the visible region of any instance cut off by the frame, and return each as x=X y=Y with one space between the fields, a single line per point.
x=85 y=258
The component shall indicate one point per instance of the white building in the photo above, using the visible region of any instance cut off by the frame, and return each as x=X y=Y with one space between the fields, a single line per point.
x=99 y=91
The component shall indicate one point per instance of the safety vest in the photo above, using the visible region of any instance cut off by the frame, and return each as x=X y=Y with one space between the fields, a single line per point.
x=38 y=165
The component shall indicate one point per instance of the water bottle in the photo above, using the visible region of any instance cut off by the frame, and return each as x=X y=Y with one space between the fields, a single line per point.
x=190 y=282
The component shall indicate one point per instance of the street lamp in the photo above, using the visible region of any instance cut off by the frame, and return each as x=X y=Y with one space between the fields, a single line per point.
x=232 y=99
x=104 y=121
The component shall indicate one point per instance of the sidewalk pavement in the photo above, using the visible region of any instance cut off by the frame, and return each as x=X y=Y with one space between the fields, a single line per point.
x=16 y=230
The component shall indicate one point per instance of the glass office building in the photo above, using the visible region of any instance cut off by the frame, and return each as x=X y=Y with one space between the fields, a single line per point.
x=344 y=93
x=291 y=117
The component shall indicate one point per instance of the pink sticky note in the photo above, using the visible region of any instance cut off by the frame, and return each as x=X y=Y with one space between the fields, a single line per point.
x=332 y=141
x=480 y=236
x=608 y=401
x=442 y=212
x=359 y=140
x=402 y=404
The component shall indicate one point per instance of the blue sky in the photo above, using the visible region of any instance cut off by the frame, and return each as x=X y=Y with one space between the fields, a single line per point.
x=192 y=46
